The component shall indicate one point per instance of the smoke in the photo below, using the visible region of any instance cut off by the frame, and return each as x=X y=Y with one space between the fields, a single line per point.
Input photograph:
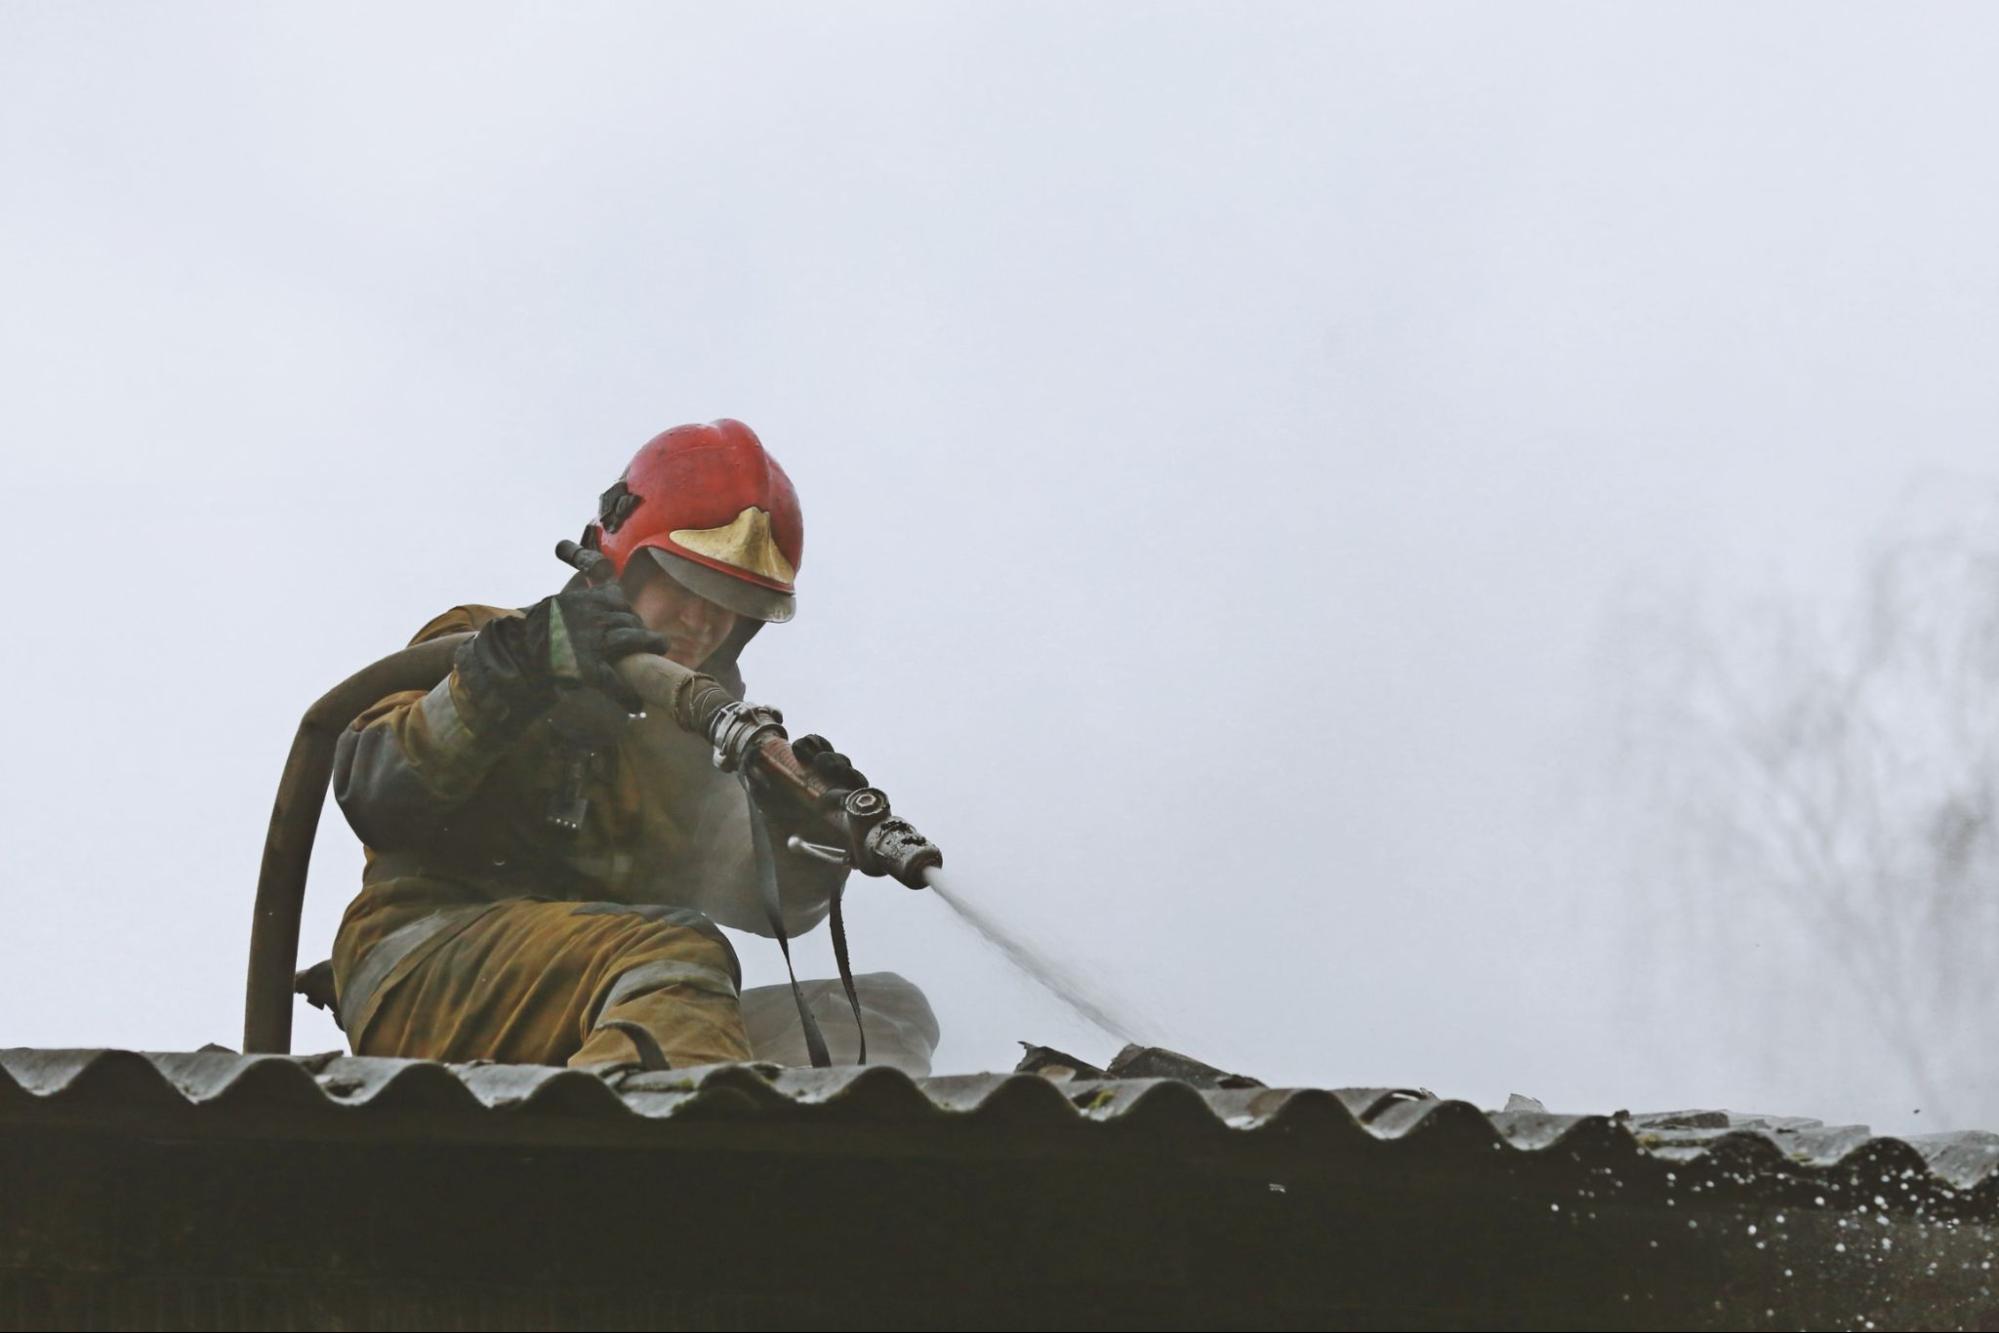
x=1811 y=812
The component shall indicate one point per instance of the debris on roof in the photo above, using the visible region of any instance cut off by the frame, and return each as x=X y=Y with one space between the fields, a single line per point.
x=1134 y=1061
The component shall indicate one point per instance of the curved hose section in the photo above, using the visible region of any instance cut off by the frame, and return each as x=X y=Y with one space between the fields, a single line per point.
x=690 y=697
x=267 y=999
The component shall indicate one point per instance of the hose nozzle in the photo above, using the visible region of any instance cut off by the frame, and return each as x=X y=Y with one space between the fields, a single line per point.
x=887 y=844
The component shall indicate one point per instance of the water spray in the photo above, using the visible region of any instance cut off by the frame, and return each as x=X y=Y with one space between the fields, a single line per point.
x=1052 y=977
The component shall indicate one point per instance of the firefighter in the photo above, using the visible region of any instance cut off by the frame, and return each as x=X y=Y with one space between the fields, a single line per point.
x=546 y=866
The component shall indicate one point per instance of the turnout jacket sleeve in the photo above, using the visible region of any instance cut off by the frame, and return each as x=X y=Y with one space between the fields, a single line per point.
x=418 y=754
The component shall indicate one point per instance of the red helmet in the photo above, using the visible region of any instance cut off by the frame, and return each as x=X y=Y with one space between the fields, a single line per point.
x=715 y=511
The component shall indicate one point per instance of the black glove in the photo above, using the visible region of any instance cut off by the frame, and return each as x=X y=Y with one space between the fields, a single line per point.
x=571 y=639
x=829 y=765
x=837 y=771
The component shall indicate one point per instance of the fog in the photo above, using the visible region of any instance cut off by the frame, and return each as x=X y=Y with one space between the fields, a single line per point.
x=1221 y=433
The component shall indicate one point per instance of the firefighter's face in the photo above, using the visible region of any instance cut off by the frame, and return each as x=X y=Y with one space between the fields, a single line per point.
x=694 y=626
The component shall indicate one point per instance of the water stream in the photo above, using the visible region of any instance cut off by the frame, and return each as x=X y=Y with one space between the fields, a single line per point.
x=1059 y=981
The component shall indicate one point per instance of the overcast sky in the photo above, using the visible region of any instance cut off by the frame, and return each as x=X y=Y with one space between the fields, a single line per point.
x=1219 y=429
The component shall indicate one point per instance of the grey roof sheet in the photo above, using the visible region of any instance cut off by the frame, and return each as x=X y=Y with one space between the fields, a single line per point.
x=1961 y=1166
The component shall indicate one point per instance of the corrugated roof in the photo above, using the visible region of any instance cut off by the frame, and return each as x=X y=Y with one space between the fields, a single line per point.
x=1959 y=1171
x=211 y=1190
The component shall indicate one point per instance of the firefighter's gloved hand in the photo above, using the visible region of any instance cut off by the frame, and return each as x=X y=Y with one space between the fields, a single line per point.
x=828 y=765
x=573 y=639
x=788 y=816
x=582 y=634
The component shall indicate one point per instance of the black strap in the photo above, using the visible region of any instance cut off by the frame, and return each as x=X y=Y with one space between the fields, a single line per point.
x=838 y=924
x=815 y=1041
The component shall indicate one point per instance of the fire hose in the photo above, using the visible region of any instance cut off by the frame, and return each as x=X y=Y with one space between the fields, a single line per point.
x=745 y=737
